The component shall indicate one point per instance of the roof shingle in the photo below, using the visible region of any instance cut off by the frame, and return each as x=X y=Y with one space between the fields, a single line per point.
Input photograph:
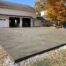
x=10 y=5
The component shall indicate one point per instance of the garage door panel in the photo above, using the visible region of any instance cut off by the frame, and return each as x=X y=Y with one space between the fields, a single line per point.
x=4 y=22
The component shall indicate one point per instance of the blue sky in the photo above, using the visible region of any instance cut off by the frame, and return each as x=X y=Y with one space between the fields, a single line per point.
x=27 y=2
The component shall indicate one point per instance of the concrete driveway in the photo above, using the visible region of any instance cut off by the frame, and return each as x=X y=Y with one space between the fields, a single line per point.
x=21 y=42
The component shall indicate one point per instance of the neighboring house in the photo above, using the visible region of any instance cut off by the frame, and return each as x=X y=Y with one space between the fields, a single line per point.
x=17 y=15
x=41 y=17
x=43 y=13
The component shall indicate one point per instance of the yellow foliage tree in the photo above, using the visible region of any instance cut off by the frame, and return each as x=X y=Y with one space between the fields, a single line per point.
x=38 y=7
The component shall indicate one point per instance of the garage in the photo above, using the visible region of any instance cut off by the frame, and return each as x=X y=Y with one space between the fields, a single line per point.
x=17 y=15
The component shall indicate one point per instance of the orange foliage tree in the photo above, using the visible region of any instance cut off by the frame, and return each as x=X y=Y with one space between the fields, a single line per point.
x=56 y=10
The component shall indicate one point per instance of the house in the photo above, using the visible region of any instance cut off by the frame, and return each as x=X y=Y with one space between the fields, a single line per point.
x=17 y=15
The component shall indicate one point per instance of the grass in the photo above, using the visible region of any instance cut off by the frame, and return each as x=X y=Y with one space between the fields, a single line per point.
x=53 y=59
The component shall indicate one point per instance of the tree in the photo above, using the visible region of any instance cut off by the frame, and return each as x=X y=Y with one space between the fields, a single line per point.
x=38 y=6
x=56 y=10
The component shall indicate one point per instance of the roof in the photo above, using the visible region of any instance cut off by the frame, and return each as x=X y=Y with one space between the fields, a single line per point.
x=10 y=5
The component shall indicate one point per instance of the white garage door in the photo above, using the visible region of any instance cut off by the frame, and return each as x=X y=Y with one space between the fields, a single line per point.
x=3 y=22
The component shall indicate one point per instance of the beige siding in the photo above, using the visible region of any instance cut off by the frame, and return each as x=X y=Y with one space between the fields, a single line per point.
x=38 y=23
x=16 y=12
